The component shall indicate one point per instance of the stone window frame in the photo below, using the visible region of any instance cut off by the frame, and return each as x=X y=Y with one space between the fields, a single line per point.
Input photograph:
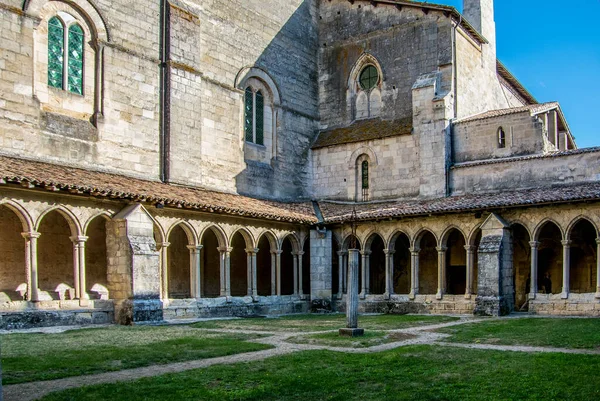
x=501 y=138
x=258 y=80
x=251 y=106
x=68 y=22
x=358 y=94
x=363 y=193
x=89 y=105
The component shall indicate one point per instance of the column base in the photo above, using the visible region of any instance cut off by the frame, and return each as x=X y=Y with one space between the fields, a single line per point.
x=467 y=296
x=362 y=295
x=597 y=295
x=255 y=298
x=564 y=295
x=386 y=296
x=351 y=332
x=439 y=296
x=531 y=296
x=228 y=299
x=412 y=296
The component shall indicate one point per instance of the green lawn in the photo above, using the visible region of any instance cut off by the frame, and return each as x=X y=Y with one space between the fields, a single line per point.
x=561 y=333
x=410 y=373
x=323 y=322
x=333 y=339
x=33 y=357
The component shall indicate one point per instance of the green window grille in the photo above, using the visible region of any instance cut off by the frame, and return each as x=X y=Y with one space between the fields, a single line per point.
x=369 y=77
x=260 y=118
x=365 y=175
x=56 y=47
x=75 y=67
x=249 y=115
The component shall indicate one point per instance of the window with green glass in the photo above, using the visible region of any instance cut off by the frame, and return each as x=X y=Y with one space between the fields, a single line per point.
x=75 y=67
x=260 y=119
x=369 y=77
x=249 y=115
x=56 y=48
x=365 y=175
x=65 y=55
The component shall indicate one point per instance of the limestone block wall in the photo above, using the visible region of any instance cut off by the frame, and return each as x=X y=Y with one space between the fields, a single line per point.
x=406 y=43
x=57 y=126
x=320 y=264
x=509 y=174
x=478 y=140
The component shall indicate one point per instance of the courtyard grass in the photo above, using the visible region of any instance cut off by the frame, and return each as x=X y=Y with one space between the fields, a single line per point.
x=324 y=322
x=409 y=373
x=34 y=357
x=542 y=332
x=333 y=339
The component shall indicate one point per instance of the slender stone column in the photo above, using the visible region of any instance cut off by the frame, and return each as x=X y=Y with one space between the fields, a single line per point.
x=340 y=274
x=368 y=272
x=273 y=273
x=598 y=268
x=31 y=265
x=223 y=271
x=301 y=274
x=76 y=268
x=195 y=269
x=470 y=263
x=441 y=272
x=164 y=265
x=391 y=273
x=295 y=263
x=533 y=286
x=249 y=272
x=254 y=276
x=352 y=297
x=228 y=273
x=363 y=272
x=82 y=267
x=345 y=273
x=388 y=280
x=278 y=270
x=566 y=268
x=414 y=272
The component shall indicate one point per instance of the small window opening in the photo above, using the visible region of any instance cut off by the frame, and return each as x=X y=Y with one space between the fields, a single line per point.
x=65 y=55
x=254 y=116
x=369 y=78
x=365 y=181
x=501 y=138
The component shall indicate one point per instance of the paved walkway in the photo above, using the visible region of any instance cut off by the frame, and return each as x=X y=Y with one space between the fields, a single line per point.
x=422 y=335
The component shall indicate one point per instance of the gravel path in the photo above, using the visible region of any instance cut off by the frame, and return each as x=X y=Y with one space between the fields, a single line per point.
x=421 y=335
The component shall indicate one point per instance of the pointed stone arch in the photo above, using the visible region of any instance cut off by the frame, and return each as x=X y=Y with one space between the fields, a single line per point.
x=21 y=212
x=540 y=226
x=247 y=235
x=218 y=232
x=416 y=240
x=577 y=220
x=448 y=231
x=72 y=220
x=14 y=270
x=187 y=228
x=105 y=215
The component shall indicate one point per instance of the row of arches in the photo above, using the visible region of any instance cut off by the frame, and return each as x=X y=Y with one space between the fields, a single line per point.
x=411 y=267
x=60 y=258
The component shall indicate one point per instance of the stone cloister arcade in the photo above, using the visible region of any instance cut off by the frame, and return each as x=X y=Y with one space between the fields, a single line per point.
x=435 y=261
x=55 y=257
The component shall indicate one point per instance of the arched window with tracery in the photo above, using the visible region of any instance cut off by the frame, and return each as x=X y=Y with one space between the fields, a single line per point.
x=365 y=85
x=363 y=182
x=65 y=53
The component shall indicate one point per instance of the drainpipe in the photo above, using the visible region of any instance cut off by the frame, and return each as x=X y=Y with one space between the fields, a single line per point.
x=165 y=91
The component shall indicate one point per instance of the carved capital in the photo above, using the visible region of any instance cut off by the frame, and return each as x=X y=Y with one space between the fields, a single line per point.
x=31 y=235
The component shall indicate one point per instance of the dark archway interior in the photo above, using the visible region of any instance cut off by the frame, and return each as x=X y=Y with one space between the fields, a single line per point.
x=239 y=266
x=287 y=268
x=428 y=264
x=263 y=267
x=95 y=256
x=583 y=258
x=179 y=264
x=401 y=274
x=210 y=266
x=55 y=255
x=12 y=249
x=550 y=260
x=521 y=266
x=377 y=267
x=456 y=264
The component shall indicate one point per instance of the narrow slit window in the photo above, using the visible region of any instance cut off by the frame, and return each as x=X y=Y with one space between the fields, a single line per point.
x=75 y=67
x=249 y=115
x=501 y=138
x=56 y=48
x=365 y=180
x=260 y=118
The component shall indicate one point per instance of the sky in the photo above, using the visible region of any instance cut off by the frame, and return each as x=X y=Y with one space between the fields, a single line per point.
x=553 y=48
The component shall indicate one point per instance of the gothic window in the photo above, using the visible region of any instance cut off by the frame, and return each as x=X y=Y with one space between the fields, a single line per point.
x=254 y=116
x=501 y=138
x=365 y=181
x=369 y=78
x=365 y=86
x=65 y=54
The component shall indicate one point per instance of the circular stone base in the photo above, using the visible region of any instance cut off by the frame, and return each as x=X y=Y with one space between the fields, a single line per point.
x=352 y=332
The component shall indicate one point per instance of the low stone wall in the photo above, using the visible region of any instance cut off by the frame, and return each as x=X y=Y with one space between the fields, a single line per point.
x=401 y=304
x=238 y=307
x=576 y=305
x=25 y=315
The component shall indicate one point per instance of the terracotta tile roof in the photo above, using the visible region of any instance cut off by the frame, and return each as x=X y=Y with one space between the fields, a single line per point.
x=338 y=212
x=530 y=157
x=32 y=174
x=364 y=130
x=531 y=109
